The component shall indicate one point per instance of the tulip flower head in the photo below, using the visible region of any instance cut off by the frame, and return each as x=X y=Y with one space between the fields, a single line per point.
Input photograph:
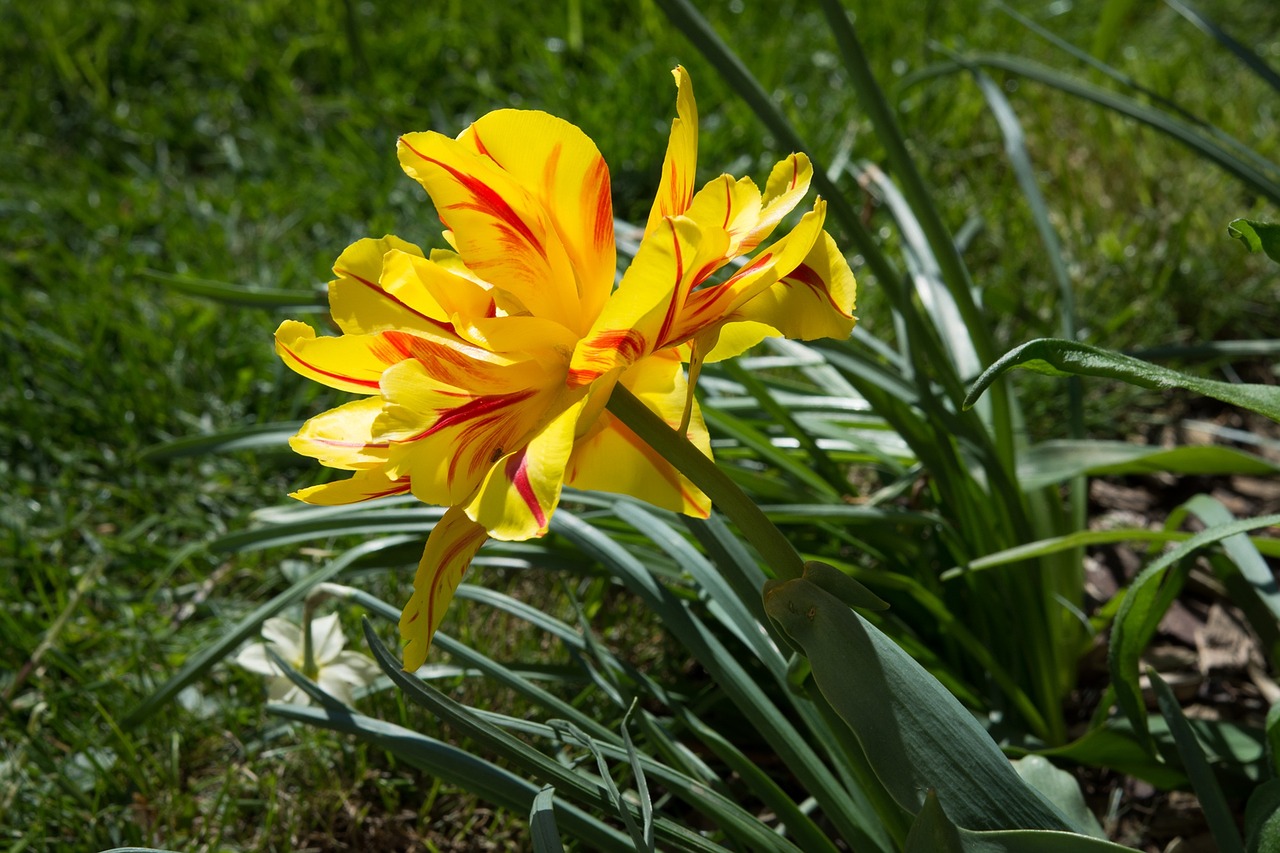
x=484 y=370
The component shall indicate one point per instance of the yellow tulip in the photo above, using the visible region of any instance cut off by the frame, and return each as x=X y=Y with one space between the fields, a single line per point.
x=485 y=370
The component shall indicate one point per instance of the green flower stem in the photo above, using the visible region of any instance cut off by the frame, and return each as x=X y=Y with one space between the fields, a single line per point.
x=778 y=553
x=309 y=668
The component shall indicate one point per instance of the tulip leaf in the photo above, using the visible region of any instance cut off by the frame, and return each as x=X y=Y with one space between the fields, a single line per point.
x=1061 y=789
x=542 y=822
x=915 y=734
x=1145 y=603
x=934 y=832
x=1212 y=801
x=256 y=437
x=1257 y=236
x=221 y=291
x=1262 y=818
x=1056 y=357
x=1052 y=462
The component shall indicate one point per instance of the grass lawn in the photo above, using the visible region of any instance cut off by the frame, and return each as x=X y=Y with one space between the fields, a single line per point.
x=250 y=142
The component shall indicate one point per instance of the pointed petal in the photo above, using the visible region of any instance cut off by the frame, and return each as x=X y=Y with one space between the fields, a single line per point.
x=452 y=543
x=675 y=189
x=523 y=488
x=349 y=363
x=611 y=458
x=503 y=233
x=327 y=639
x=815 y=300
x=647 y=305
x=285 y=692
x=360 y=300
x=442 y=293
x=364 y=486
x=446 y=437
x=343 y=437
x=733 y=206
x=787 y=184
x=285 y=636
x=254 y=658
x=562 y=169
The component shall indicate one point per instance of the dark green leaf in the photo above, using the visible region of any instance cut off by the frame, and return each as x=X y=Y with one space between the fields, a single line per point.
x=1057 y=357
x=1053 y=462
x=542 y=822
x=1257 y=236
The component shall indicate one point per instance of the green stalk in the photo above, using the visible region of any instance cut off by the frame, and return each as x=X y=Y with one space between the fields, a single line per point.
x=777 y=552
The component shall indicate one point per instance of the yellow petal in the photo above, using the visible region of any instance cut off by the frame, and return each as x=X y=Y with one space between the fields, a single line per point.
x=521 y=491
x=363 y=486
x=447 y=437
x=731 y=205
x=348 y=363
x=343 y=437
x=815 y=300
x=611 y=458
x=448 y=293
x=675 y=189
x=360 y=300
x=502 y=232
x=787 y=184
x=641 y=314
x=562 y=169
x=450 y=548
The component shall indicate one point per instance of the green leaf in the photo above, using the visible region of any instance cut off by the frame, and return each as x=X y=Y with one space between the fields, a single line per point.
x=1212 y=801
x=1053 y=462
x=1061 y=789
x=259 y=437
x=1262 y=818
x=916 y=735
x=1056 y=357
x=542 y=822
x=933 y=832
x=236 y=295
x=1143 y=606
x=1257 y=236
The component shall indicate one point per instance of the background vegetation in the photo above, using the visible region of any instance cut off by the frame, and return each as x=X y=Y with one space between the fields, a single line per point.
x=250 y=142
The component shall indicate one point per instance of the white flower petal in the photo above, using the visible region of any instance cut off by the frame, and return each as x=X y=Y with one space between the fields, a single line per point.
x=335 y=687
x=327 y=639
x=254 y=658
x=283 y=690
x=285 y=636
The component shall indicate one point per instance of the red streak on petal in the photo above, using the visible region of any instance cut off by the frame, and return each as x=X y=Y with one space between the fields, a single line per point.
x=365 y=383
x=446 y=562
x=377 y=288
x=670 y=318
x=394 y=490
x=333 y=442
x=795 y=171
x=579 y=377
x=628 y=343
x=809 y=278
x=728 y=204
x=473 y=410
x=488 y=200
x=602 y=233
x=517 y=471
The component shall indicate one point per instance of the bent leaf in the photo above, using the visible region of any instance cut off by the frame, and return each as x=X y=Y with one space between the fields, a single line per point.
x=1257 y=236
x=916 y=735
x=1056 y=357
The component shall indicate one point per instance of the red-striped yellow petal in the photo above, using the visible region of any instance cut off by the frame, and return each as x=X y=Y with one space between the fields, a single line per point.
x=710 y=307
x=787 y=185
x=522 y=489
x=815 y=300
x=451 y=546
x=362 y=486
x=648 y=304
x=343 y=437
x=349 y=363
x=731 y=205
x=611 y=458
x=675 y=189
x=448 y=292
x=447 y=437
x=562 y=169
x=502 y=232
x=361 y=302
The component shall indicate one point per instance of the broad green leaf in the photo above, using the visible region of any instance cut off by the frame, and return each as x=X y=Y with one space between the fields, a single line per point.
x=934 y=832
x=1053 y=462
x=1057 y=357
x=1217 y=814
x=542 y=822
x=1061 y=789
x=1257 y=236
x=1262 y=818
x=1143 y=606
x=916 y=735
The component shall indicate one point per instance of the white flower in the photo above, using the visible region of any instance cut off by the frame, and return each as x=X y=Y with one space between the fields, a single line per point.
x=340 y=672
